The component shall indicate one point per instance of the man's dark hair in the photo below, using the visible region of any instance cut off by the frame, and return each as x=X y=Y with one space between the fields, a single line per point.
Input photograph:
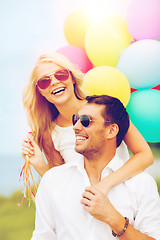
x=114 y=111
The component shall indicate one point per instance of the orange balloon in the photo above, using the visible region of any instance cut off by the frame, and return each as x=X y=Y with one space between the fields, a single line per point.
x=75 y=27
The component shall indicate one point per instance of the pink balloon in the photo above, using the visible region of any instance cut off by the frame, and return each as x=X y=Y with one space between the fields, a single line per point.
x=143 y=19
x=77 y=56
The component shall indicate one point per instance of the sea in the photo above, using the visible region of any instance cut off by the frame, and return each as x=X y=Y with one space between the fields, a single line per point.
x=10 y=168
x=11 y=165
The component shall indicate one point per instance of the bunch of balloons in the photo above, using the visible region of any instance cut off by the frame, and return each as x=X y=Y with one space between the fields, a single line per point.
x=121 y=58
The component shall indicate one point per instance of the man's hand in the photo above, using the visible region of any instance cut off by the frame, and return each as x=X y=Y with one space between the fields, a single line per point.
x=98 y=205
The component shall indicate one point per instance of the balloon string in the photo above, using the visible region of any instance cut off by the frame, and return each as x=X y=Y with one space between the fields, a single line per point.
x=25 y=175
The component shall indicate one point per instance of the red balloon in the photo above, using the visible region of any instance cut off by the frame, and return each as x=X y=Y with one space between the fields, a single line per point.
x=133 y=90
x=157 y=87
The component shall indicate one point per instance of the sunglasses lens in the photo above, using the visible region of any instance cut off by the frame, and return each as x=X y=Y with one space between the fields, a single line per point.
x=75 y=119
x=44 y=82
x=62 y=75
x=85 y=120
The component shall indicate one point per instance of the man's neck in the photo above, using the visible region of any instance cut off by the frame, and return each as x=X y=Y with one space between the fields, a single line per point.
x=95 y=166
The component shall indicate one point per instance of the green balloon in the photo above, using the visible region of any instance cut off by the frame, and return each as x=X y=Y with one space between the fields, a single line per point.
x=144 y=112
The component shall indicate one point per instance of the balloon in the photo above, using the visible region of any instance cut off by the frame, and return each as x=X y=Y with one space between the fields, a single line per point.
x=133 y=90
x=75 y=27
x=143 y=19
x=105 y=40
x=144 y=112
x=107 y=80
x=77 y=56
x=140 y=63
x=157 y=87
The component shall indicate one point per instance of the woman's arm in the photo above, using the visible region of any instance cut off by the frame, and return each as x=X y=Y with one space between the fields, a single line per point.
x=141 y=159
x=53 y=156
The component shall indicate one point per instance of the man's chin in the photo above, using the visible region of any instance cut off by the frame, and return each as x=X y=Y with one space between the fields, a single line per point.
x=79 y=149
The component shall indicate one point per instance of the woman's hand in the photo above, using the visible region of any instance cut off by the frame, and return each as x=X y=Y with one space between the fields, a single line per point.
x=104 y=186
x=36 y=159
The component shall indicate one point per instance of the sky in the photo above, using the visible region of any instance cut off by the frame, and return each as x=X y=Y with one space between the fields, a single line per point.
x=29 y=28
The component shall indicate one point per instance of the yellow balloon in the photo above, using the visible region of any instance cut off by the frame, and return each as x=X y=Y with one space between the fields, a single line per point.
x=106 y=39
x=75 y=27
x=109 y=81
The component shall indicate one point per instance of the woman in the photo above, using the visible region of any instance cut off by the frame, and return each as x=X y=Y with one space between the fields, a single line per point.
x=51 y=97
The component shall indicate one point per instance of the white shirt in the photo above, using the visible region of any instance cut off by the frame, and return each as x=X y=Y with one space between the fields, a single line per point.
x=64 y=142
x=60 y=215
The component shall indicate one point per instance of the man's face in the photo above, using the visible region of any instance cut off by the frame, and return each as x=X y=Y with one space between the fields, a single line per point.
x=91 y=139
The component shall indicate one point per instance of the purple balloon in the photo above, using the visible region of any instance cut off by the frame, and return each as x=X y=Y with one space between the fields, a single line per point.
x=143 y=19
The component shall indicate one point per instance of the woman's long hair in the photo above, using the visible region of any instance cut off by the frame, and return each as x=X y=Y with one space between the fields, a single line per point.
x=40 y=112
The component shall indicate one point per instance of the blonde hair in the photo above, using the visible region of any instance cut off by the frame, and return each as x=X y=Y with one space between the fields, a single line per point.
x=40 y=112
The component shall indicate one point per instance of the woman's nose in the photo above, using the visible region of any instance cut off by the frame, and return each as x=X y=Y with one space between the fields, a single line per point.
x=54 y=80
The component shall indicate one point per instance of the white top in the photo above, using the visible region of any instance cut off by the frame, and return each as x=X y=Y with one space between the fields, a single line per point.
x=64 y=142
x=60 y=215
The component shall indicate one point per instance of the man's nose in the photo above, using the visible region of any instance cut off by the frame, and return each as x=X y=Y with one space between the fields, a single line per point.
x=77 y=125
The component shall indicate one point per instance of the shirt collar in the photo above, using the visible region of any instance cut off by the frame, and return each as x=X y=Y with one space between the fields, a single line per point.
x=113 y=165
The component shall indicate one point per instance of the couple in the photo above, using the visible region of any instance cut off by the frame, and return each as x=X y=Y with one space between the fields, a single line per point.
x=51 y=97
x=66 y=208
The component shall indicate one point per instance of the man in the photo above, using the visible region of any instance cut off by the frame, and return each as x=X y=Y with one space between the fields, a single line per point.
x=131 y=211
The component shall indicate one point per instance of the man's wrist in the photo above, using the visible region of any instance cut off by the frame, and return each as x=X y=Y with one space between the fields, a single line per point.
x=117 y=222
x=119 y=234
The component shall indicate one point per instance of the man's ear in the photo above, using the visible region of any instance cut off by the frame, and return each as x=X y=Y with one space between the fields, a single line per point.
x=112 y=131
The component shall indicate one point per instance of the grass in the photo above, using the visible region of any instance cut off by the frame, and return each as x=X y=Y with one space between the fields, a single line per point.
x=158 y=184
x=16 y=222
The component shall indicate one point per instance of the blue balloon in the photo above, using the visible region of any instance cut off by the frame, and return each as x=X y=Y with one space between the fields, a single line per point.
x=144 y=111
x=140 y=63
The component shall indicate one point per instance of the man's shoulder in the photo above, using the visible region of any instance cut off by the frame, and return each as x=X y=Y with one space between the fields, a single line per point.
x=141 y=179
x=142 y=183
x=56 y=170
x=55 y=177
x=144 y=176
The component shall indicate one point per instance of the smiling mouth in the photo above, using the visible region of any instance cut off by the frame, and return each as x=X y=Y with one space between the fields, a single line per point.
x=81 y=138
x=59 y=90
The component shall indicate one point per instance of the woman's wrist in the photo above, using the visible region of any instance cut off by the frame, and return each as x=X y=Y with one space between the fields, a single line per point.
x=41 y=167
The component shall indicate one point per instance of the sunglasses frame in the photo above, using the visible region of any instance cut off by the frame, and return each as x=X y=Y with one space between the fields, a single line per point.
x=81 y=120
x=50 y=79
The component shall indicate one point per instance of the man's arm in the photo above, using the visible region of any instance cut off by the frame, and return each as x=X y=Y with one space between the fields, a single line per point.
x=44 y=222
x=100 y=207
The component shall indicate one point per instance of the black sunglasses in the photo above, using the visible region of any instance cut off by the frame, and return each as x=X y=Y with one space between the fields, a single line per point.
x=85 y=120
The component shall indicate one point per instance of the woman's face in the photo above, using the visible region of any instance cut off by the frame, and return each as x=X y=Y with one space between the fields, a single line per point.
x=59 y=91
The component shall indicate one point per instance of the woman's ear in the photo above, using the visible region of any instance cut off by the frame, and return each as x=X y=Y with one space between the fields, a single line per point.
x=112 y=131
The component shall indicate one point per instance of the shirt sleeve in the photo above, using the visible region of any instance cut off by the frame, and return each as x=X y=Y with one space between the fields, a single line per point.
x=147 y=218
x=44 y=220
